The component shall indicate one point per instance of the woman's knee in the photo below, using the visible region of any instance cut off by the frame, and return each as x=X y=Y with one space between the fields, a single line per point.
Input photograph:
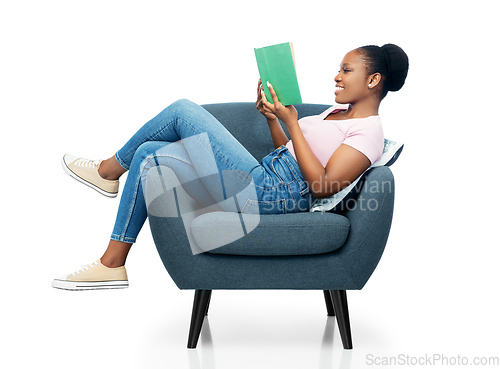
x=183 y=105
x=148 y=148
x=154 y=153
x=146 y=153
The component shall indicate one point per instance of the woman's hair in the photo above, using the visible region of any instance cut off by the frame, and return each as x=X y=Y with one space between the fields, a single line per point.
x=390 y=61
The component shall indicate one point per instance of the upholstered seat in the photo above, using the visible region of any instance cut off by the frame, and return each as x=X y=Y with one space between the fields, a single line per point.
x=310 y=250
x=300 y=233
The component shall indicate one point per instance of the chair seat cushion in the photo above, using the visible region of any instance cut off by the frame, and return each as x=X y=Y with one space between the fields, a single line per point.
x=265 y=235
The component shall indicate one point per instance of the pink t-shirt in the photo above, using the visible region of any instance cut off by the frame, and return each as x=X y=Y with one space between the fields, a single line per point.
x=325 y=136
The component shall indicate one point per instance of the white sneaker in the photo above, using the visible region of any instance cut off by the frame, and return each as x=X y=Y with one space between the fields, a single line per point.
x=86 y=172
x=93 y=277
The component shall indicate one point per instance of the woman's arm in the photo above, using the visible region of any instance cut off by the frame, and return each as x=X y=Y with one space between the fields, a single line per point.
x=278 y=135
x=345 y=165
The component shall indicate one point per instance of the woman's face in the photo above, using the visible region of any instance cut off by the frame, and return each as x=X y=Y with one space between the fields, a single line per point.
x=352 y=80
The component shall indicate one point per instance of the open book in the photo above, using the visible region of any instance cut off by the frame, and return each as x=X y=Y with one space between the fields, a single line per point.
x=276 y=65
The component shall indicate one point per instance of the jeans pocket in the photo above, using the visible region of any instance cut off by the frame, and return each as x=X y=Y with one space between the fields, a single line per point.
x=264 y=207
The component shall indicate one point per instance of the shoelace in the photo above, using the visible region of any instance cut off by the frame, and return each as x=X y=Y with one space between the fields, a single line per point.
x=87 y=163
x=85 y=268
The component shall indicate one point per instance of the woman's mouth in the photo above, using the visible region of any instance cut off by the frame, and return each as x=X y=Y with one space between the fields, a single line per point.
x=338 y=88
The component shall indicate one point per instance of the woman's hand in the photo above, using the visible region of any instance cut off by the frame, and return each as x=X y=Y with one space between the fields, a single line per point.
x=278 y=135
x=287 y=114
x=260 y=105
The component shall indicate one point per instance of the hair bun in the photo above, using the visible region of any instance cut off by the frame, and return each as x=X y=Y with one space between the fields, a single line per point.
x=398 y=66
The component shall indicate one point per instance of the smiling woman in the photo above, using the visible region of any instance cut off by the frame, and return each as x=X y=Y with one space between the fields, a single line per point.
x=324 y=154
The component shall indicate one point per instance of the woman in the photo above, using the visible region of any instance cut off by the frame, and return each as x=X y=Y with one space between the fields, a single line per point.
x=323 y=155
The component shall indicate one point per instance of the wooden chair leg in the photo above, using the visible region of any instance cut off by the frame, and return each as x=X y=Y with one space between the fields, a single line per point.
x=329 y=304
x=339 y=298
x=200 y=308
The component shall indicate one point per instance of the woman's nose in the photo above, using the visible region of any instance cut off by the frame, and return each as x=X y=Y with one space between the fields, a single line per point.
x=338 y=78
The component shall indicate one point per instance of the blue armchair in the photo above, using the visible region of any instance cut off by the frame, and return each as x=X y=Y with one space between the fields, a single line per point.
x=323 y=251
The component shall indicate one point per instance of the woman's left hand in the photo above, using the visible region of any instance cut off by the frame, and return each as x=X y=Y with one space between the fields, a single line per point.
x=287 y=114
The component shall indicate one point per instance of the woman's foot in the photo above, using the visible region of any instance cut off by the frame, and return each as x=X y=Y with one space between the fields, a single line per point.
x=88 y=172
x=95 y=276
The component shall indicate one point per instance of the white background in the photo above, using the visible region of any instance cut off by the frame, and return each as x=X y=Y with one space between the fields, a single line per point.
x=82 y=76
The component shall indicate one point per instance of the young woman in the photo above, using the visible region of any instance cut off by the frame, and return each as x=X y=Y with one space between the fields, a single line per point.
x=323 y=155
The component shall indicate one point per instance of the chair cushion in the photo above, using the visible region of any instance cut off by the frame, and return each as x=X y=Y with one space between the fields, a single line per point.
x=279 y=235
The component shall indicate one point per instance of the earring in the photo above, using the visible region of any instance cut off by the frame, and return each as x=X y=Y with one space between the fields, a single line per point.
x=370 y=85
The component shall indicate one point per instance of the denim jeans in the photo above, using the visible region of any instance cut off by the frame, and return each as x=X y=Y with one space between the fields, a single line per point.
x=189 y=140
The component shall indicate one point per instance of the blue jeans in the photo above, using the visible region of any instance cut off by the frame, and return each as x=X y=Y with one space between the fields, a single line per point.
x=189 y=140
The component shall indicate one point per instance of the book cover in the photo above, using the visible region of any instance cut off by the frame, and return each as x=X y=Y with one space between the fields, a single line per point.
x=276 y=64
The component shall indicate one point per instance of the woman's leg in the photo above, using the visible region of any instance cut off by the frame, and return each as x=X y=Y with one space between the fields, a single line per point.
x=178 y=121
x=109 y=272
x=184 y=119
x=132 y=211
x=116 y=254
x=163 y=127
x=207 y=148
x=149 y=155
x=110 y=169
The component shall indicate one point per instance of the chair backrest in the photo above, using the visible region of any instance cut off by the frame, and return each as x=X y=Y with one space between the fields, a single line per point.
x=249 y=126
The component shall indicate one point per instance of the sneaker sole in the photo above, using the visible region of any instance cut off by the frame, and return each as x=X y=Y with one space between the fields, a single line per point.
x=81 y=180
x=83 y=286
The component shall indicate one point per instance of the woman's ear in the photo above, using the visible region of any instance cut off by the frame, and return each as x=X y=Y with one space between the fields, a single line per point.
x=374 y=80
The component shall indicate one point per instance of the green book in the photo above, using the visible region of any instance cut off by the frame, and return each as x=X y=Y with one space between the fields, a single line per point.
x=277 y=65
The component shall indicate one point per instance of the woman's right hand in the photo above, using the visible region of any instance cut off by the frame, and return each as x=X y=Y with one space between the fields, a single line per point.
x=260 y=105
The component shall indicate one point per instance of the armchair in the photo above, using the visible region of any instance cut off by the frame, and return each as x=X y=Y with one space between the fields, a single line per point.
x=325 y=251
